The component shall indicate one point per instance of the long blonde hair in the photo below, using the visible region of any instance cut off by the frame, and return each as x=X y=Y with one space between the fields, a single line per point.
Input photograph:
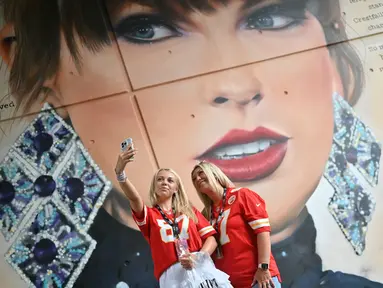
x=180 y=200
x=216 y=179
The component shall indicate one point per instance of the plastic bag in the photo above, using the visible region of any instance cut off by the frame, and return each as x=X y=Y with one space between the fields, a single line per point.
x=203 y=275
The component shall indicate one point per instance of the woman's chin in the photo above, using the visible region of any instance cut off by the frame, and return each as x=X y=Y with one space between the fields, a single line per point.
x=163 y=195
x=204 y=189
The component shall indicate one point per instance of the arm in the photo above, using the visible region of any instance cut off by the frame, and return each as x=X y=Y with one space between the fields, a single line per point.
x=263 y=277
x=255 y=214
x=209 y=245
x=264 y=247
x=254 y=211
x=206 y=232
x=136 y=202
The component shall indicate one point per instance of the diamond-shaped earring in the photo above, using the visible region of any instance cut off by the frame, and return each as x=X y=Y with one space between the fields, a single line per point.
x=48 y=160
x=50 y=251
x=353 y=166
x=49 y=167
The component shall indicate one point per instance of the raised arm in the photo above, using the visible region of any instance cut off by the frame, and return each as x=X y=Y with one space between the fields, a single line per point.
x=136 y=202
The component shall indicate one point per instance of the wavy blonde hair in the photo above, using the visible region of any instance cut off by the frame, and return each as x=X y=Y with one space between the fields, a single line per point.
x=216 y=179
x=180 y=200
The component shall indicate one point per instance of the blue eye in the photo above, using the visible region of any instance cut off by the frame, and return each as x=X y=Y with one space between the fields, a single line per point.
x=274 y=17
x=145 y=29
x=268 y=22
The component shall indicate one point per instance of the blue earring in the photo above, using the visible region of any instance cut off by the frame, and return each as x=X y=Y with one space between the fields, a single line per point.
x=50 y=251
x=49 y=177
x=352 y=168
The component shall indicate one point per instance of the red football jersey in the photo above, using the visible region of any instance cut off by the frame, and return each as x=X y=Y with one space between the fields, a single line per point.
x=160 y=236
x=243 y=218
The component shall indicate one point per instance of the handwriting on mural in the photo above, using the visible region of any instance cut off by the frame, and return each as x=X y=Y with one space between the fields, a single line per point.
x=6 y=109
x=7 y=105
x=375 y=14
x=377 y=50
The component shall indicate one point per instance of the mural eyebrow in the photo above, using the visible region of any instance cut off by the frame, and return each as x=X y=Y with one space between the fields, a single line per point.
x=298 y=4
x=250 y=3
x=176 y=11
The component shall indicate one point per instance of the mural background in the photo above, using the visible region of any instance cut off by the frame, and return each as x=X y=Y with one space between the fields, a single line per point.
x=178 y=96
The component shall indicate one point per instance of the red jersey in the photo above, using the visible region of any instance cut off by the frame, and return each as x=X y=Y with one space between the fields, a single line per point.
x=243 y=218
x=160 y=236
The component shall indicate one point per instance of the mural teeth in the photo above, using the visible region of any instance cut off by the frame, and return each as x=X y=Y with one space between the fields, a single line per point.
x=240 y=150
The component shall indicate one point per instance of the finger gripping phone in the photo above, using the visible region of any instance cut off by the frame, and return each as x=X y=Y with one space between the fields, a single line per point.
x=125 y=144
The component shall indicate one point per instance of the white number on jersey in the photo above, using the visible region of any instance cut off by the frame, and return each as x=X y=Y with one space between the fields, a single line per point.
x=166 y=230
x=224 y=238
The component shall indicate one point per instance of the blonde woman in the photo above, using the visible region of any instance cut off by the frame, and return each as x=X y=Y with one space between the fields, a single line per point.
x=240 y=217
x=174 y=229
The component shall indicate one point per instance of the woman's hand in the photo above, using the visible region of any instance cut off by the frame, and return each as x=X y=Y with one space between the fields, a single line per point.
x=263 y=279
x=135 y=200
x=124 y=158
x=187 y=261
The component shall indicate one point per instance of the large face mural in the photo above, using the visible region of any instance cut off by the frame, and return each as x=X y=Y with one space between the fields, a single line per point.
x=283 y=96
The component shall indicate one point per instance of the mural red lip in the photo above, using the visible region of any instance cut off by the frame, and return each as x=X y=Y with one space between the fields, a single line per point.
x=248 y=155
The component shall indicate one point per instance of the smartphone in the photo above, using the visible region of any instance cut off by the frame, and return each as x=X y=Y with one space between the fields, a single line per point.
x=125 y=144
x=182 y=247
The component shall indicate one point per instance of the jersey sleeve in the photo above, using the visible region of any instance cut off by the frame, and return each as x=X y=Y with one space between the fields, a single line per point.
x=254 y=211
x=142 y=220
x=204 y=228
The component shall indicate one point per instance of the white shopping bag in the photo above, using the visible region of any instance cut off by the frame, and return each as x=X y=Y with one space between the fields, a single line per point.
x=203 y=275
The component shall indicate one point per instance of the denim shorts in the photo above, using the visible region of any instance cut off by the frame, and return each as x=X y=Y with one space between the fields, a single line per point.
x=275 y=281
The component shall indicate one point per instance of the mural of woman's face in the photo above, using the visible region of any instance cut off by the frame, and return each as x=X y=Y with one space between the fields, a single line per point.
x=258 y=122
x=267 y=125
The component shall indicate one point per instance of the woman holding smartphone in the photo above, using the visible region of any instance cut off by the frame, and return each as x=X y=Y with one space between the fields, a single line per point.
x=179 y=236
x=240 y=217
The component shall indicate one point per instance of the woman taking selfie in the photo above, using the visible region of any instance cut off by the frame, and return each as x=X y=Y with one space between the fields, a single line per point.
x=174 y=230
x=240 y=217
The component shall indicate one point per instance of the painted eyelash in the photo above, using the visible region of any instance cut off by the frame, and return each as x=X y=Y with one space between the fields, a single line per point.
x=126 y=26
x=9 y=39
x=142 y=18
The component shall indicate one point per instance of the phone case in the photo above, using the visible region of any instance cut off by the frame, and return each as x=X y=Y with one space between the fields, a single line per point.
x=125 y=144
x=182 y=247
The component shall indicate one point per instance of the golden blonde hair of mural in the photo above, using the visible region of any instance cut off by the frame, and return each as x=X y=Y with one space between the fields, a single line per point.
x=216 y=179
x=180 y=200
